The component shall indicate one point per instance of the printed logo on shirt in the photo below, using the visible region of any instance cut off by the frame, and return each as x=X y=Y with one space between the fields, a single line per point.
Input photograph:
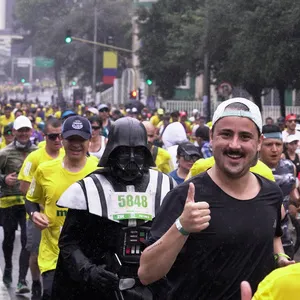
x=77 y=124
x=61 y=213
x=32 y=187
x=27 y=168
x=275 y=223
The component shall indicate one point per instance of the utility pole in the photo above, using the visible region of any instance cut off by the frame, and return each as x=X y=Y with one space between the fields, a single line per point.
x=206 y=77
x=95 y=49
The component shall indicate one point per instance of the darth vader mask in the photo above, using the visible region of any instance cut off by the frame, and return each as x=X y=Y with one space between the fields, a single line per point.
x=128 y=163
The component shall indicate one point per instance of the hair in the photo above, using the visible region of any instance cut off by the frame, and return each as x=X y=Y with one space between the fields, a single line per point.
x=95 y=119
x=270 y=128
x=55 y=123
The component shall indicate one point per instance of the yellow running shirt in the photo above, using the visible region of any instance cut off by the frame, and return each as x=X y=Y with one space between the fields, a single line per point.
x=281 y=284
x=202 y=165
x=50 y=180
x=33 y=160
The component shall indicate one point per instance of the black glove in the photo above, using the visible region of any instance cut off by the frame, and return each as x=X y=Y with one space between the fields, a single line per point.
x=99 y=277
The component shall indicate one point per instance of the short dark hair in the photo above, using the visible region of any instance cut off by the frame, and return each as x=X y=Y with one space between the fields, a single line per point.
x=270 y=129
x=203 y=133
x=55 y=123
x=95 y=119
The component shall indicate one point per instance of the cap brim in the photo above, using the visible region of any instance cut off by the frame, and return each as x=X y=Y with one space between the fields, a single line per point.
x=20 y=127
x=82 y=134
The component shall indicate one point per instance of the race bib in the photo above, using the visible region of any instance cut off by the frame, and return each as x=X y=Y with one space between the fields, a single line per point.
x=131 y=205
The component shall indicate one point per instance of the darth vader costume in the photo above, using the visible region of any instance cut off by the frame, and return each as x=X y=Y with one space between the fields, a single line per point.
x=108 y=221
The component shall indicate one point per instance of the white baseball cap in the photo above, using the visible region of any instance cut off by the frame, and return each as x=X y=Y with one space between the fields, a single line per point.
x=22 y=122
x=253 y=114
x=93 y=110
x=292 y=138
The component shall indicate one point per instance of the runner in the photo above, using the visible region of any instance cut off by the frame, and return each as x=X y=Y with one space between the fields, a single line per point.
x=50 y=180
x=223 y=226
x=110 y=212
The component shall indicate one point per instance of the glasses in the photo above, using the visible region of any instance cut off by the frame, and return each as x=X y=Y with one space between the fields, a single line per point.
x=290 y=121
x=8 y=132
x=96 y=127
x=103 y=110
x=53 y=136
x=190 y=157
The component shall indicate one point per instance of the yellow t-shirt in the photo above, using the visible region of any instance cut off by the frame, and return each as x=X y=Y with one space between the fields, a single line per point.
x=3 y=144
x=42 y=144
x=57 y=115
x=33 y=160
x=202 y=165
x=50 y=180
x=281 y=284
x=4 y=121
x=163 y=161
x=155 y=120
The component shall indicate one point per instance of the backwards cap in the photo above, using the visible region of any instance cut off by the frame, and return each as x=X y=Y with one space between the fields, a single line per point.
x=253 y=114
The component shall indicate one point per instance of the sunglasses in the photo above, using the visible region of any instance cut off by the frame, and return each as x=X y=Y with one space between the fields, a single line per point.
x=96 y=127
x=290 y=121
x=104 y=110
x=8 y=132
x=190 y=157
x=53 y=136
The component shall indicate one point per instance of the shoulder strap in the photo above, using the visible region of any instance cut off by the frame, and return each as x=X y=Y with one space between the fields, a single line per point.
x=154 y=152
x=82 y=185
x=101 y=195
x=158 y=192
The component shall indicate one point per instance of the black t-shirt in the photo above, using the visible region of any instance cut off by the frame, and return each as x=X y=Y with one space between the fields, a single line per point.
x=237 y=245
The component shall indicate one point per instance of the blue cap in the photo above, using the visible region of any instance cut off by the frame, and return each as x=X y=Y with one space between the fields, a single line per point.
x=68 y=113
x=77 y=126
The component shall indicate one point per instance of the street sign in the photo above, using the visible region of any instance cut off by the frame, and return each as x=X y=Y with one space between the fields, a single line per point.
x=43 y=62
x=23 y=62
x=224 y=90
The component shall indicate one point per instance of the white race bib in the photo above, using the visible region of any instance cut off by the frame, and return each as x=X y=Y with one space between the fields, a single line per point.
x=131 y=205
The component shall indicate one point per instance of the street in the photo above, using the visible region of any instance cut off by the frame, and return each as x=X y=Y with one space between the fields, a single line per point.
x=9 y=294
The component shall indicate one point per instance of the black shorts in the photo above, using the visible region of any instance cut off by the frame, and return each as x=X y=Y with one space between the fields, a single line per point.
x=13 y=216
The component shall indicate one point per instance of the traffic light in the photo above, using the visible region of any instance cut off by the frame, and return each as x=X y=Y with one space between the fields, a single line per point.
x=110 y=40
x=23 y=80
x=149 y=81
x=74 y=83
x=68 y=37
x=140 y=94
x=133 y=94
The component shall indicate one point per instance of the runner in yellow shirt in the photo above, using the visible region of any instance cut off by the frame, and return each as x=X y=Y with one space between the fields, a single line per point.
x=50 y=180
x=8 y=136
x=7 y=118
x=52 y=150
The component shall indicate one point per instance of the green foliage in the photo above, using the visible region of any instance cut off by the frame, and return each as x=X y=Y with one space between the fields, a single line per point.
x=254 y=44
x=48 y=21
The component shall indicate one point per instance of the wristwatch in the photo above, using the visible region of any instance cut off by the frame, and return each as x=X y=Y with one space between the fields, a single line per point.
x=180 y=228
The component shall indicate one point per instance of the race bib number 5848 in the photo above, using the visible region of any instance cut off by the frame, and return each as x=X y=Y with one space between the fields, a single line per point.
x=131 y=206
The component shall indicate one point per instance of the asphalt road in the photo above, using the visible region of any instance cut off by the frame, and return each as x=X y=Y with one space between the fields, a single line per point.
x=9 y=294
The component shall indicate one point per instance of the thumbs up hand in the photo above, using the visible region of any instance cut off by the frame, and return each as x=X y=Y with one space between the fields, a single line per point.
x=196 y=215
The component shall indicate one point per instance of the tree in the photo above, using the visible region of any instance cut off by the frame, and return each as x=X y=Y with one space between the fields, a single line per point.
x=48 y=21
x=169 y=33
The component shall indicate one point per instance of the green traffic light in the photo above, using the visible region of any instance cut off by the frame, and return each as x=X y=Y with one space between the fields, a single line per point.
x=23 y=80
x=73 y=82
x=68 y=39
x=149 y=81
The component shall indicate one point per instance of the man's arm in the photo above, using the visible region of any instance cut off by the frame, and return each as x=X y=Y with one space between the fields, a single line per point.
x=24 y=186
x=157 y=259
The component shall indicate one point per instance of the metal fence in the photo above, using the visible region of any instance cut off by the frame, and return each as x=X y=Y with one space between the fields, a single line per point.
x=268 y=111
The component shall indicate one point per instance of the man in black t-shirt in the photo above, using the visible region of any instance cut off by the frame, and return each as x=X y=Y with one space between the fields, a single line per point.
x=222 y=226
